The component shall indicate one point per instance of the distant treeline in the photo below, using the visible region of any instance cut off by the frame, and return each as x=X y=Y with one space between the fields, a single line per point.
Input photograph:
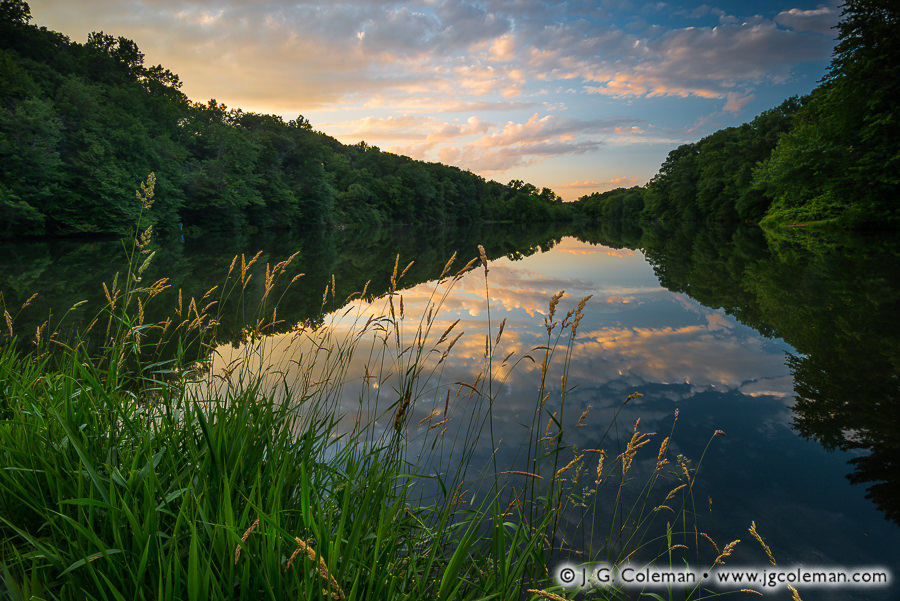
x=82 y=124
x=832 y=156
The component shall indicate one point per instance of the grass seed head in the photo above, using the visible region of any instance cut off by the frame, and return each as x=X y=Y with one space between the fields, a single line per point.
x=500 y=332
x=546 y=595
x=632 y=396
x=335 y=591
x=661 y=458
x=449 y=264
x=34 y=296
x=755 y=534
x=584 y=415
x=237 y=550
x=562 y=470
x=728 y=550
x=394 y=273
x=401 y=411
x=710 y=541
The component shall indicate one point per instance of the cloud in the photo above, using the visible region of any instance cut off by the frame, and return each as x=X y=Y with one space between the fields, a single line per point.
x=612 y=183
x=412 y=127
x=490 y=160
x=621 y=253
x=587 y=187
x=709 y=353
x=503 y=48
x=451 y=102
x=398 y=33
x=702 y=355
x=707 y=62
x=581 y=184
x=821 y=20
x=465 y=24
x=333 y=52
x=407 y=65
x=736 y=101
x=484 y=146
x=522 y=143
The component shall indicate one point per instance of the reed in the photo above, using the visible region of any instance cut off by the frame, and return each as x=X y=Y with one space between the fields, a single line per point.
x=164 y=466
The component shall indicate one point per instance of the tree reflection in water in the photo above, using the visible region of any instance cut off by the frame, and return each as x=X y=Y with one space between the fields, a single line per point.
x=833 y=296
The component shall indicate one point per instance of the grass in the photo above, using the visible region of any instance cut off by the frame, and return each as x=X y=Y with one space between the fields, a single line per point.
x=138 y=472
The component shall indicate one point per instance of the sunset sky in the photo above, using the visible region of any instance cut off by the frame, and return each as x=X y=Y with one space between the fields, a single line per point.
x=575 y=96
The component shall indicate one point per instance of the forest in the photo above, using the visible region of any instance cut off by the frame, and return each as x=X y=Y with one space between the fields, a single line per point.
x=82 y=124
x=831 y=157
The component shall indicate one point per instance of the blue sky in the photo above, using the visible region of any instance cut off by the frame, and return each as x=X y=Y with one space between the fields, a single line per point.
x=575 y=96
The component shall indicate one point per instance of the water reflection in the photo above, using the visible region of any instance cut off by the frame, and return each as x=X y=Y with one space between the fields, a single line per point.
x=834 y=299
x=61 y=273
x=638 y=336
x=764 y=337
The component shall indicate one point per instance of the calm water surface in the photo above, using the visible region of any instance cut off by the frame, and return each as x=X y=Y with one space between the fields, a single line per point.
x=789 y=346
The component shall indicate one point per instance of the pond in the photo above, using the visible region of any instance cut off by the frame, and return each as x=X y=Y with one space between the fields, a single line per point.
x=785 y=345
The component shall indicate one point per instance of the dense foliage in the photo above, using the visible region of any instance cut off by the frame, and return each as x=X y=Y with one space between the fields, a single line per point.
x=133 y=471
x=831 y=156
x=621 y=203
x=841 y=159
x=713 y=178
x=709 y=179
x=831 y=295
x=82 y=124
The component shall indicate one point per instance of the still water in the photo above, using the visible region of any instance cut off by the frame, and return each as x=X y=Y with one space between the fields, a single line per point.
x=788 y=345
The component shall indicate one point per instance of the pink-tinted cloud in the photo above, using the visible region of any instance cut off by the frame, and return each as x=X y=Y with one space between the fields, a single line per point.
x=412 y=127
x=483 y=146
x=736 y=101
x=404 y=65
x=618 y=182
x=820 y=20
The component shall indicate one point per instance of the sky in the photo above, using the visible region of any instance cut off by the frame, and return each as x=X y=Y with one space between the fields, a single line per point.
x=575 y=96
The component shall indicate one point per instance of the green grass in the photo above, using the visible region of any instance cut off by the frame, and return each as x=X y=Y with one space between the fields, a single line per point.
x=137 y=472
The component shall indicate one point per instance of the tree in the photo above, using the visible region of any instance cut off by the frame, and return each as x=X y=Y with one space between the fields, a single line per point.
x=867 y=38
x=15 y=11
x=80 y=124
x=122 y=50
x=30 y=136
x=671 y=193
x=845 y=147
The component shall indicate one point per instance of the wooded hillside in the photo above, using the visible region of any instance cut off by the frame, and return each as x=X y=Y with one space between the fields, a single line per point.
x=81 y=125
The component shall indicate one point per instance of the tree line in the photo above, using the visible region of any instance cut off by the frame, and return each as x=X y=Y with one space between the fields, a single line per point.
x=832 y=156
x=82 y=124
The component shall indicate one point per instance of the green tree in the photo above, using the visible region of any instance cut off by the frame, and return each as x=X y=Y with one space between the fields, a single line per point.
x=842 y=160
x=124 y=53
x=15 y=11
x=671 y=193
x=30 y=135
x=80 y=124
